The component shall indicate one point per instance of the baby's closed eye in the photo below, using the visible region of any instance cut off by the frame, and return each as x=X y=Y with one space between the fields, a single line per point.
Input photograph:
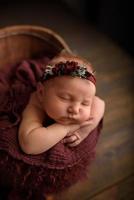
x=86 y=103
x=65 y=97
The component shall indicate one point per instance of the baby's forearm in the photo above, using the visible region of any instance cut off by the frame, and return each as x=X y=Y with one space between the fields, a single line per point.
x=41 y=139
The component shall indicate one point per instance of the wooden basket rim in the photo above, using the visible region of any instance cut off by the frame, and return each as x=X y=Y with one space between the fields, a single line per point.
x=30 y=30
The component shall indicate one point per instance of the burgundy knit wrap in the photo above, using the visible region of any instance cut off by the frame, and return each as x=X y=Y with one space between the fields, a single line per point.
x=32 y=176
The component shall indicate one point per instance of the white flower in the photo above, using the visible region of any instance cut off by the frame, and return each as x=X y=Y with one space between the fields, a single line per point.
x=48 y=70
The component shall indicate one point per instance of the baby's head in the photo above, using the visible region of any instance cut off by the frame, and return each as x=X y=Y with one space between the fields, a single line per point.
x=67 y=89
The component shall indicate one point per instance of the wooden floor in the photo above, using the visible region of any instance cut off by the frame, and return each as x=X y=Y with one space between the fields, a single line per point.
x=111 y=175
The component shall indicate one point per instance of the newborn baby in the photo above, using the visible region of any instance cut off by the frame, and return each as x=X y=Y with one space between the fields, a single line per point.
x=66 y=95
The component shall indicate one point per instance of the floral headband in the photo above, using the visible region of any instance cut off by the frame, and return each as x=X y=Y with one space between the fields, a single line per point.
x=69 y=68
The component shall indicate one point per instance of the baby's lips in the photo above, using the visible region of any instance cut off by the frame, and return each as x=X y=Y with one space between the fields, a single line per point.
x=90 y=118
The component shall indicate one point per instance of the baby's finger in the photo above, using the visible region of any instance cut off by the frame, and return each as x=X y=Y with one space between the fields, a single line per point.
x=69 y=134
x=70 y=139
x=73 y=144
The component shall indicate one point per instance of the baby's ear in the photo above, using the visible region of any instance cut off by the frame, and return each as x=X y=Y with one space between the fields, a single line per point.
x=40 y=90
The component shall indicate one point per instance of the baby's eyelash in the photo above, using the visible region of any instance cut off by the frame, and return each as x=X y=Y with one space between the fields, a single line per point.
x=85 y=103
x=64 y=97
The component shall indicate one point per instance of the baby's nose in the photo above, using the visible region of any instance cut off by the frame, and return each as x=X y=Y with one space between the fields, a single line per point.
x=74 y=109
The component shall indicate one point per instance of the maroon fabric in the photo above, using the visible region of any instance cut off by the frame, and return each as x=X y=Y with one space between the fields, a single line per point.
x=35 y=175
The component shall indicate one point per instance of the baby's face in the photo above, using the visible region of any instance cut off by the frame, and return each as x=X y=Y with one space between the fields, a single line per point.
x=68 y=100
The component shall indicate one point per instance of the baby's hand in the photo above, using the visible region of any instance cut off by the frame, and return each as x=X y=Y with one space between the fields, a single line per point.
x=74 y=138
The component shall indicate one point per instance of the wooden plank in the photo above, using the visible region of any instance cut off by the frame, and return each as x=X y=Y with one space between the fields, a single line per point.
x=122 y=190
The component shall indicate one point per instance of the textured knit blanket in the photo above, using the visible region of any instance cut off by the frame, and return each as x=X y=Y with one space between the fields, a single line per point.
x=48 y=172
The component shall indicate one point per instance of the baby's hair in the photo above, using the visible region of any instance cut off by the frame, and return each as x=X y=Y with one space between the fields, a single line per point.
x=73 y=57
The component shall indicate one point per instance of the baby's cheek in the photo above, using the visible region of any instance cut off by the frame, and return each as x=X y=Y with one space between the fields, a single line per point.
x=61 y=109
x=85 y=116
